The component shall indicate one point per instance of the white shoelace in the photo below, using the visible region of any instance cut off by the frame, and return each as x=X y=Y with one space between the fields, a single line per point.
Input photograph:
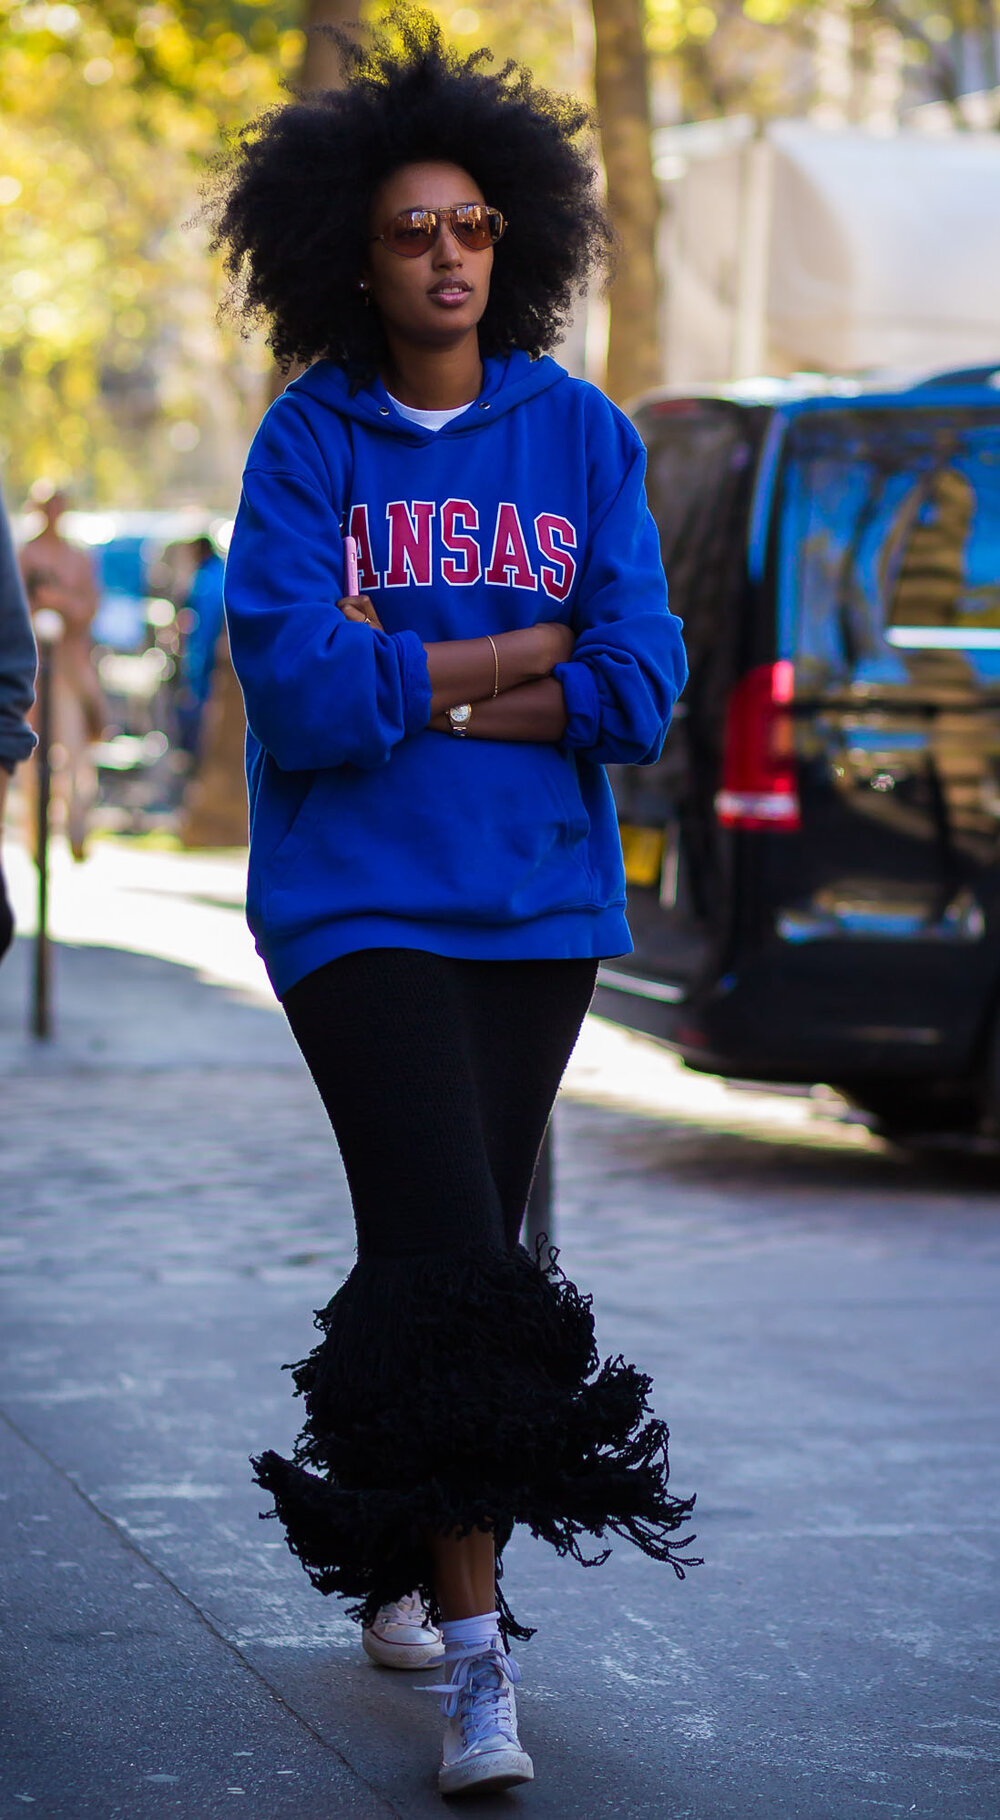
x=408 y=1610
x=479 y=1694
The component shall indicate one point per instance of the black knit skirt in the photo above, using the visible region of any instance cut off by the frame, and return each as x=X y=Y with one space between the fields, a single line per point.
x=456 y=1384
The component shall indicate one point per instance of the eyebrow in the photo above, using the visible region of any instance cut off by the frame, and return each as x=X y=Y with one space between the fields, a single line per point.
x=431 y=208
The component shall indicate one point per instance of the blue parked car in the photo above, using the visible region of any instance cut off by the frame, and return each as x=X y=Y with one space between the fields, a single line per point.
x=814 y=863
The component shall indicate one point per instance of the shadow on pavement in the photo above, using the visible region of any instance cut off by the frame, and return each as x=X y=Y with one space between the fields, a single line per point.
x=823 y=1158
x=115 y=1008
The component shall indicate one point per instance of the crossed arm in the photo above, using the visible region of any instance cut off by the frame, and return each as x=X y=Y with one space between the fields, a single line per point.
x=529 y=706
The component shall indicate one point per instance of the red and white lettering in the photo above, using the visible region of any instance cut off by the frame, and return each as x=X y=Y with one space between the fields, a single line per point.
x=368 y=575
x=409 y=542
x=509 y=565
x=558 y=572
x=459 y=516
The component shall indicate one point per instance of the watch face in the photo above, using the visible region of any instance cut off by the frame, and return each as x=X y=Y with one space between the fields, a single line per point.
x=461 y=716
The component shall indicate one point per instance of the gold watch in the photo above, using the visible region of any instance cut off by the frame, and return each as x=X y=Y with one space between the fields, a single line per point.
x=460 y=718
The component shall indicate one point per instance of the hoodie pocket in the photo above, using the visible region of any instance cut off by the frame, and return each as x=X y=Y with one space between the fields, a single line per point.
x=449 y=831
x=278 y=803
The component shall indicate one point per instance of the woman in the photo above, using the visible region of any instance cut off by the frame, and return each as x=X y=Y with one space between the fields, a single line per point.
x=61 y=578
x=435 y=867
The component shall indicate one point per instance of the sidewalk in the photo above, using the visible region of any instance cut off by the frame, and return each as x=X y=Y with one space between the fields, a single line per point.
x=820 y=1320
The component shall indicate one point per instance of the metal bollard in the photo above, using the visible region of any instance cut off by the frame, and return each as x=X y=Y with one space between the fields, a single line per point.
x=539 y=1219
x=48 y=627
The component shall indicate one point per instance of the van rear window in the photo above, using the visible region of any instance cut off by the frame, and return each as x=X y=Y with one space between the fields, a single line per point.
x=698 y=482
x=890 y=546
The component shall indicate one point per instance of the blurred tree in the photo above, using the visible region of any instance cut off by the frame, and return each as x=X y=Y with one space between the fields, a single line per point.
x=767 y=57
x=716 y=57
x=320 y=66
x=553 y=37
x=621 y=84
x=953 y=44
x=108 y=333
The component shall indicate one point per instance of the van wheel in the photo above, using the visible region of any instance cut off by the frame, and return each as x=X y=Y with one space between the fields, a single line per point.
x=907 y=1112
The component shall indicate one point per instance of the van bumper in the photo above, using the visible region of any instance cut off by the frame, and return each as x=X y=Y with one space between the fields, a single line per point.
x=640 y=1003
x=705 y=1034
x=774 y=1023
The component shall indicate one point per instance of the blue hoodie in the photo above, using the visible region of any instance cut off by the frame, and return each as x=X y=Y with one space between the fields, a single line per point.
x=368 y=828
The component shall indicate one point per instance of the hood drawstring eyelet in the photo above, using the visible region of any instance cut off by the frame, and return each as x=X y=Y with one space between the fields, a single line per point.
x=484 y=406
x=383 y=410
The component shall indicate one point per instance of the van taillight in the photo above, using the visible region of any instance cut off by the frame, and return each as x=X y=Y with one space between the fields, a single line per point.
x=759 y=787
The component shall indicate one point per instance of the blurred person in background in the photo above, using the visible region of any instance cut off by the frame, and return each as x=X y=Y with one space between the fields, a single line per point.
x=17 y=677
x=204 y=612
x=61 y=577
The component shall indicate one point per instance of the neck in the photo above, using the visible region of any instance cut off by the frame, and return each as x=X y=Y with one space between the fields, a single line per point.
x=434 y=379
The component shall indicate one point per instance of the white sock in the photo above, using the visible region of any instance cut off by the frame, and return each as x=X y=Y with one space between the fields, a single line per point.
x=462 y=1633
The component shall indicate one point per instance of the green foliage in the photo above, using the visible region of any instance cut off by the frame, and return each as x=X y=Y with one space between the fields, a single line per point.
x=733 y=56
x=109 y=349
x=553 y=37
x=115 y=371
x=759 y=56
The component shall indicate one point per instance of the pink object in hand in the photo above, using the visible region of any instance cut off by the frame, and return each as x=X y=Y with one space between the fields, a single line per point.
x=351 y=584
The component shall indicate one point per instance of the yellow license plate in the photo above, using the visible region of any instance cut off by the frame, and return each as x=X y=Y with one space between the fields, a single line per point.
x=643 y=853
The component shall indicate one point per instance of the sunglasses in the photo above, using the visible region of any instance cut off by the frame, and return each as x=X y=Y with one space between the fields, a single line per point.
x=414 y=231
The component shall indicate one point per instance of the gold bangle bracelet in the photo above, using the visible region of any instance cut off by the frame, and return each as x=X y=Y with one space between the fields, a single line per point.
x=496 y=668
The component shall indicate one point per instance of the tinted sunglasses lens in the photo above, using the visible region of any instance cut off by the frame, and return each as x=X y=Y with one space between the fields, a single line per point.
x=411 y=234
x=473 y=227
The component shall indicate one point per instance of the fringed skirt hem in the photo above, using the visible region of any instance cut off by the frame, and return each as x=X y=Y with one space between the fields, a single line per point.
x=465 y=1393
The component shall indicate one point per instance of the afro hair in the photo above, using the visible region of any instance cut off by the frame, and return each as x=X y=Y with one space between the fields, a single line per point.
x=294 y=195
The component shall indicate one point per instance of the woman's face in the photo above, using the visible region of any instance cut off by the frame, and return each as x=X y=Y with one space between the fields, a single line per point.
x=439 y=297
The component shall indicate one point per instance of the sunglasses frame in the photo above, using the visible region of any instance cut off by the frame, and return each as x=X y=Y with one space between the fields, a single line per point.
x=440 y=216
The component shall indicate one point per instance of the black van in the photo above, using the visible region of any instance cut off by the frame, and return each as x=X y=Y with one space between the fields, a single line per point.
x=814 y=863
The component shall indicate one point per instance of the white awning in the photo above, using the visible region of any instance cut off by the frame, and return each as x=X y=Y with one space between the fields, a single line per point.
x=884 y=251
x=836 y=251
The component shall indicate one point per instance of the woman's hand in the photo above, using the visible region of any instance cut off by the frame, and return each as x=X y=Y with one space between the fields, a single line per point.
x=358 y=607
x=557 y=642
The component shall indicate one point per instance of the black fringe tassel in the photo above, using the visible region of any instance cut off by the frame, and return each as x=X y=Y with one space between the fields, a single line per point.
x=465 y=1393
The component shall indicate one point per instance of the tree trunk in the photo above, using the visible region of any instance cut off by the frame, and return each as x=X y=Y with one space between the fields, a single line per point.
x=214 y=812
x=320 y=69
x=321 y=61
x=622 y=89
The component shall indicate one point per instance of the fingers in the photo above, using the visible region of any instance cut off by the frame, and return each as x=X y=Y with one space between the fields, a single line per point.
x=558 y=641
x=358 y=607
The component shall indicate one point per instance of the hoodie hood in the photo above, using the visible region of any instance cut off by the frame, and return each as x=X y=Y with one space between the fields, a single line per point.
x=508 y=381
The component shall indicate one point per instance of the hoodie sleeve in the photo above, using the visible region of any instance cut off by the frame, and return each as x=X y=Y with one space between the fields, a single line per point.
x=17 y=657
x=628 y=666
x=319 y=690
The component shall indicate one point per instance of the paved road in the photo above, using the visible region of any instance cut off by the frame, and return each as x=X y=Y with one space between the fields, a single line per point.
x=819 y=1313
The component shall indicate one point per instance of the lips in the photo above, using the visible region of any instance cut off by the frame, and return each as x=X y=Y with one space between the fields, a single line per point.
x=451 y=290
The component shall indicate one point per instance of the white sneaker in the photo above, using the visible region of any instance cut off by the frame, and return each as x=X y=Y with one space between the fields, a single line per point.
x=482 y=1751
x=403 y=1636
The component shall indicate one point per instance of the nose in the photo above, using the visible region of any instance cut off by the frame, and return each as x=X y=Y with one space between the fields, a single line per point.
x=447 y=251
